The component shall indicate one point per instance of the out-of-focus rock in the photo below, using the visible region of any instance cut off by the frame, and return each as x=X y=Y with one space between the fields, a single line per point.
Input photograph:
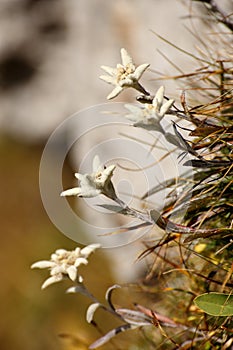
x=51 y=51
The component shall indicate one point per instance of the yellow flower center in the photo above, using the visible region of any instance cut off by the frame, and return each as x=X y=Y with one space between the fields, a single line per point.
x=123 y=72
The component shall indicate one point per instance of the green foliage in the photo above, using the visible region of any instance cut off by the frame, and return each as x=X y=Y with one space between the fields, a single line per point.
x=216 y=304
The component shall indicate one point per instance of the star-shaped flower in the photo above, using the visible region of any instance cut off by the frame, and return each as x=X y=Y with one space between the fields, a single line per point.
x=150 y=115
x=64 y=263
x=125 y=75
x=91 y=185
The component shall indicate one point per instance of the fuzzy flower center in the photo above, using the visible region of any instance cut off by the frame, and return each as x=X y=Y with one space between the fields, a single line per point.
x=123 y=72
x=66 y=258
x=148 y=110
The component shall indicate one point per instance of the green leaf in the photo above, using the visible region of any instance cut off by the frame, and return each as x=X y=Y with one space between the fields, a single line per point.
x=215 y=304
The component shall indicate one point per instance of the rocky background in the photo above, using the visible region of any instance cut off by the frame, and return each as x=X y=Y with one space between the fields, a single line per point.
x=50 y=57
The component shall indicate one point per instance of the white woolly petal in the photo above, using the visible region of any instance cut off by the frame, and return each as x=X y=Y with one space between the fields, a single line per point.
x=136 y=113
x=132 y=117
x=80 y=261
x=158 y=99
x=72 y=272
x=43 y=264
x=115 y=92
x=165 y=107
x=109 y=170
x=134 y=109
x=109 y=70
x=54 y=257
x=79 y=176
x=96 y=165
x=91 y=311
x=58 y=269
x=77 y=251
x=51 y=280
x=119 y=67
x=86 y=251
x=87 y=181
x=90 y=193
x=108 y=79
x=140 y=70
x=61 y=251
x=125 y=57
x=71 y=192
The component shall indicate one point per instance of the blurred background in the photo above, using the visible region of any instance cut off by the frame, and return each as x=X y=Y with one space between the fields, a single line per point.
x=50 y=57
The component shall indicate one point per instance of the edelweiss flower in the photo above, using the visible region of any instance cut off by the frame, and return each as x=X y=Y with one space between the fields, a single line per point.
x=124 y=75
x=150 y=115
x=64 y=263
x=91 y=185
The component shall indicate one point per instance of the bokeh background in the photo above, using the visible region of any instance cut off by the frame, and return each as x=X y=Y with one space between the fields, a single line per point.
x=50 y=54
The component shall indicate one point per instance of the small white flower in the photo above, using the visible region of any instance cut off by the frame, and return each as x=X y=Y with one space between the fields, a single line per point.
x=125 y=75
x=64 y=263
x=91 y=185
x=150 y=115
